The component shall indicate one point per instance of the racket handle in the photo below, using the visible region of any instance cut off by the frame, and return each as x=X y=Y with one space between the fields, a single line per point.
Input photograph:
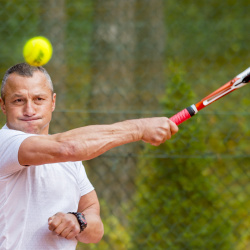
x=183 y=115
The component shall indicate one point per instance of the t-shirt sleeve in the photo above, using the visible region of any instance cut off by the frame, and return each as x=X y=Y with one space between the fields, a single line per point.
x=9 y=147
x=83 y=181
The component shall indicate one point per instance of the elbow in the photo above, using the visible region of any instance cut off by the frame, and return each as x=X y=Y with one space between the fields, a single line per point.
x=99 y=235
x=95 y=236
x=96 y=240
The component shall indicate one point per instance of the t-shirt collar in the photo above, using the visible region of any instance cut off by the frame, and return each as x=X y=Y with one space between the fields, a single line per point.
x=5 y=127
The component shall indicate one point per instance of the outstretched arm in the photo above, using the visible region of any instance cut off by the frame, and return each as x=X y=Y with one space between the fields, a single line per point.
x=91 y=141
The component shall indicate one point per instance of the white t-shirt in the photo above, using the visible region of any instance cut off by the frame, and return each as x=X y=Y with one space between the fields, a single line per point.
x=30 y=195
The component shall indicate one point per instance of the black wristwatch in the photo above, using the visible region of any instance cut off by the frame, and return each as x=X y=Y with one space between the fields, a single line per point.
x=81 y=220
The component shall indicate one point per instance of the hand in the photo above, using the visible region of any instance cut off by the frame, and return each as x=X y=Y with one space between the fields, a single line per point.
x=157 y=130
x=64 y=225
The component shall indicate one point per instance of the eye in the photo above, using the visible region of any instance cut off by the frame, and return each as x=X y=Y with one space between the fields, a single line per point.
x=19 y=100
x=39 y=99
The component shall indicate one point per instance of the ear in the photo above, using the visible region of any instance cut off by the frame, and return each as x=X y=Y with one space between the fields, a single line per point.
x=3 y=106
x=53 y=102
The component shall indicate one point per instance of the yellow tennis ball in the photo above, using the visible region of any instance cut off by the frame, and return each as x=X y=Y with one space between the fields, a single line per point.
x=37 y=51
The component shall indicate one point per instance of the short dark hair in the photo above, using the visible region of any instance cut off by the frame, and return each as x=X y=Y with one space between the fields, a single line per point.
x=26 y=70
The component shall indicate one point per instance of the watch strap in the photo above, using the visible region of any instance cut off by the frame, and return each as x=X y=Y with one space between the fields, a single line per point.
x=81 y=220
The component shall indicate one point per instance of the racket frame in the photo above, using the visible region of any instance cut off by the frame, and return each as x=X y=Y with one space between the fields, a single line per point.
x=239 y=81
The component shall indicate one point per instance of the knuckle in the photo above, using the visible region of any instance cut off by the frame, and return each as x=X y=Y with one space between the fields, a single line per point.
x=156 y=142
x=70 y=223
x=57 y=231
x=165 y=120
x=59 y=214
x=167 y=125
x=63 y=234
x=52 y=224
x=51 y=227
x=69 y=237
x=76 y=231
x=62 y=215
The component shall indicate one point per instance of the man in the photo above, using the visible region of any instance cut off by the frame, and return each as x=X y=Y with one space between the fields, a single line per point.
x=46 y=199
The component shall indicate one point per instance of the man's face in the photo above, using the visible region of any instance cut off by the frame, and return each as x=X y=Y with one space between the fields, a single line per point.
x=28 y=103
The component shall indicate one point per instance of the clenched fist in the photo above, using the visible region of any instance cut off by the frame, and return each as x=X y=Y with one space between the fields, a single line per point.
x=157 y=130
x=64 y=225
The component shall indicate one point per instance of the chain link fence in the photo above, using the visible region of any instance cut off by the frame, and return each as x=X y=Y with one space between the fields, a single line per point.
x=117 y=60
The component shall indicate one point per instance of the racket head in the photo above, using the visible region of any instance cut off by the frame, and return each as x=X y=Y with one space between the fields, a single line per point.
x=239 y=81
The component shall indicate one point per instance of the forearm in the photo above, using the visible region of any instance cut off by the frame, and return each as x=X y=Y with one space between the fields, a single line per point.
x=94 y=231
x=91 y=141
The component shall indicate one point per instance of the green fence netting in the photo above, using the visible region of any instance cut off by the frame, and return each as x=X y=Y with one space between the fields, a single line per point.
x=115 y=60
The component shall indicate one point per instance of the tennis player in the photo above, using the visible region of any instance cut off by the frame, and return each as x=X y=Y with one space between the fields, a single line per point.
x=46 y=198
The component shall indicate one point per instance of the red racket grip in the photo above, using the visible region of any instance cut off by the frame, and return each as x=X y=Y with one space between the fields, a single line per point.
x=184 y=115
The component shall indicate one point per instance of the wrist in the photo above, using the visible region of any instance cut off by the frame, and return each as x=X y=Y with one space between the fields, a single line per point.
x=136 y=129
x=81 y=220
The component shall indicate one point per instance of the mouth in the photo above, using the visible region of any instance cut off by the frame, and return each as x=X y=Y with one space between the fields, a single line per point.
x=30 y=119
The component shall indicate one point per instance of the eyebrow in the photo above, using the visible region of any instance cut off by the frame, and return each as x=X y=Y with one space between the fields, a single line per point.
x=21 y=95
x=16 y=95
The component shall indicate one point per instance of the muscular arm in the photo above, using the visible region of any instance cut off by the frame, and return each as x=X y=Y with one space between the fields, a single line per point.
x=91 y=141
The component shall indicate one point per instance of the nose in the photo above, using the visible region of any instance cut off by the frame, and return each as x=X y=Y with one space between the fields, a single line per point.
x=29 y=109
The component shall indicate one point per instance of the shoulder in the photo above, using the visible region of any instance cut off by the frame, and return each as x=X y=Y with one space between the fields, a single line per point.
x=6 y=134
x=9 y=147
x=11 y=140
x=5 y=131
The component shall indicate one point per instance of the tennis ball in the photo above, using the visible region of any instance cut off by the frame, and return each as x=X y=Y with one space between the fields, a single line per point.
x=37 y=51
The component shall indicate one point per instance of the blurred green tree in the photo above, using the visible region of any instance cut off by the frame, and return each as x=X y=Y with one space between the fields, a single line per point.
x=174 y=194
x=123 y=71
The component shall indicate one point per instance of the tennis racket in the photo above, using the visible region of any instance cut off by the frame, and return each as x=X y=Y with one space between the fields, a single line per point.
x=239 y=81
